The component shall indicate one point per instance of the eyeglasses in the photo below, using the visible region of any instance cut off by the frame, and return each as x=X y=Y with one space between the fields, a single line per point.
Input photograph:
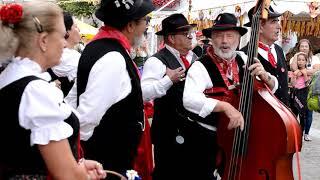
x=189 y=34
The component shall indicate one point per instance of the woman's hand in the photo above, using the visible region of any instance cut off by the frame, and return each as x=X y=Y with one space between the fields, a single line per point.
x=297 y=72
x=94 y=169
x=304 y=72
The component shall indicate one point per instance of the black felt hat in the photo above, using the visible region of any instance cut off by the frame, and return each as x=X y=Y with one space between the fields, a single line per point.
x=113 y=12
x=271 y=14
x=224 y=21
x=174 y=23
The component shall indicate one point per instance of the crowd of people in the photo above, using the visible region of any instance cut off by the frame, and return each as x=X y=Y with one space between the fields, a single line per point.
x=98 y=97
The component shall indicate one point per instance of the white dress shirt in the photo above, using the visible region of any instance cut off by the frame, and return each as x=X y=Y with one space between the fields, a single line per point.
x=154 y=81
x=41 y=109
x=68 y=66
x=108 y=83
x=197 y=81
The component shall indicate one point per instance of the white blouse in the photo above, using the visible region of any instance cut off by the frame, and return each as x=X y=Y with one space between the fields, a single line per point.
x=68 y=66
x=41 y=109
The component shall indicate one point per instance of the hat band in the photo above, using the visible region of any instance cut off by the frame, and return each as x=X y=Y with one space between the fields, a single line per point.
x=225 y=25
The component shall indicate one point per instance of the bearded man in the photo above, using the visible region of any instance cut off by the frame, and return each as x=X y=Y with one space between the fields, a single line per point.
x=107 y=92
x=210 y=81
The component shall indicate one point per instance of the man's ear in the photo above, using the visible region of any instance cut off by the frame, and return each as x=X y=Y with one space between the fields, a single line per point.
x=43 y=41
x=171 y=39
x=263 y=22
x=130 y=27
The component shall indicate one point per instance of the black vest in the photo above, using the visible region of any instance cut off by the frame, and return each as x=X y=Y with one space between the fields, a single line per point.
x=217 y=81
x=167 y=106
x=115 y=140
x=280 y=72
x=16 y=155
x=66 y=85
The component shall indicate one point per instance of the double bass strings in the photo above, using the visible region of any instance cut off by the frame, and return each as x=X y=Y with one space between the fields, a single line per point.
x=240 y=142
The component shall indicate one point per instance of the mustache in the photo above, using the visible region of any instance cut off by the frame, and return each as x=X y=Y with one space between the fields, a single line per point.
x=224 y=47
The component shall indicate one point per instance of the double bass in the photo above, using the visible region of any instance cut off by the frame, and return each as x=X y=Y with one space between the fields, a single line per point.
x=264 y=149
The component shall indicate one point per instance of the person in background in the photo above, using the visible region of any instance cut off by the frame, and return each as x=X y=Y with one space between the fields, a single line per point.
x=163 y=81
x=212 y=83
x=66 y=70
x=107 y=93
x=299 y=81
x=313 y=65
x=270 y=54
x=197 y=49
x=38 y=131
x=141 y=54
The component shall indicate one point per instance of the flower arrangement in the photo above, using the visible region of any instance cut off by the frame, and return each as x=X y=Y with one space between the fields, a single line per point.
x=160 y=3
x=11 y=14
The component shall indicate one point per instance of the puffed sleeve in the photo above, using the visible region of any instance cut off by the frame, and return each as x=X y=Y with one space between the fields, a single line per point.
x=43 y=111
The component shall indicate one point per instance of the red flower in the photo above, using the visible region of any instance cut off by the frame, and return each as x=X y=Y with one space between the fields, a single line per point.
x=11 y=13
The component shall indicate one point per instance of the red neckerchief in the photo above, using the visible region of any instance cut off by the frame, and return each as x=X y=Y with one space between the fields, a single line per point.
x=113 y=33
x=271 y=58
x=185 y=61
x=227 y=66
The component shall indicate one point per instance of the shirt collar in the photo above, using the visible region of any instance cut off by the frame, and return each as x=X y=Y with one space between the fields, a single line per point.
x=176 y=53
x=270 y=47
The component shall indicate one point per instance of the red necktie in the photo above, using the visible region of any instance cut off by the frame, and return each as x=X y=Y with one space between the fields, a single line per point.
x=185 y=61
x=270 y=55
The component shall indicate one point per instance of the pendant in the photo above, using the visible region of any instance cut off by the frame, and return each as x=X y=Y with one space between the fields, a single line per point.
x=231 y=87
x=179 y=139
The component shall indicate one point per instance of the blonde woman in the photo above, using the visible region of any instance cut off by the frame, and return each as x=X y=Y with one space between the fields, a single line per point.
x=39 y=133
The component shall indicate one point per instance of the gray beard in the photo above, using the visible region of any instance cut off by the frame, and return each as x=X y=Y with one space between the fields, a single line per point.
x=226 y=56
x=137 y=41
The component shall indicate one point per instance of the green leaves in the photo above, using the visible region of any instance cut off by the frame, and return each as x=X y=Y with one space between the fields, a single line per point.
x=78 y=8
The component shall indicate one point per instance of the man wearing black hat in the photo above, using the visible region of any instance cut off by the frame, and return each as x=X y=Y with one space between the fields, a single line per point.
x=270 y=54
x=212 y=82
x=107 y=90
x=163 y=81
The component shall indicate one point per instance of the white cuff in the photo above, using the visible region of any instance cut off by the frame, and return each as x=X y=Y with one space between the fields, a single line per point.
x=208 y=107
x=166 y=82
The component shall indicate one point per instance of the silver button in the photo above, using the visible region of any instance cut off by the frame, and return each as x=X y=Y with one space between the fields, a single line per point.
x=179 y=139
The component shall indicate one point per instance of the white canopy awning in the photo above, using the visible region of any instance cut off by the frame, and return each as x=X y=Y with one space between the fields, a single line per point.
x=294 y=6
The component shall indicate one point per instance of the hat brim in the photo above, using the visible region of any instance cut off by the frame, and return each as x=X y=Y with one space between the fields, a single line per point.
x=270 y=15
x=178 y=29
x=207 y=32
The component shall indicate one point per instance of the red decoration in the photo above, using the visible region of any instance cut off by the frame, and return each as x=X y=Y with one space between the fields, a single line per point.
x=160 y=3
x=11 y=13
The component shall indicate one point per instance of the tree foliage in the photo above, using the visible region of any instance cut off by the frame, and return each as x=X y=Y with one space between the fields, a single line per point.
x=78 y=8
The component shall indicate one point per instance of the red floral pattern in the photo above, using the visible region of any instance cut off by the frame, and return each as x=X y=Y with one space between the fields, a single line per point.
x=11 y=13
x=160 y=3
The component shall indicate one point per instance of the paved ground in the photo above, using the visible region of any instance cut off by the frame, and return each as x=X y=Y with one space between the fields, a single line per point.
x=310 y=154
